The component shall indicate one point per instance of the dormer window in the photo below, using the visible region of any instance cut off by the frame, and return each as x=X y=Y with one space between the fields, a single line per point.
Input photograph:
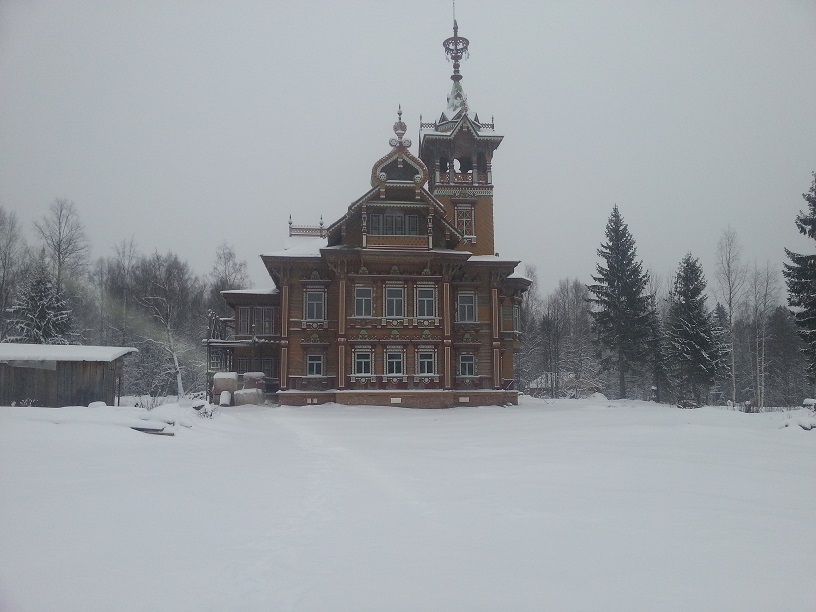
x=393 y=223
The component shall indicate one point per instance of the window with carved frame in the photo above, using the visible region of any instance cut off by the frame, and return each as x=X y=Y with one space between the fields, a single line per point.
x=363 y=362
x=467 y=365
x=315 y=305
x=465 y=221
x=314 y=365
x=395 y=362
x=394 y=301
x=425 y=302
x=363 y=302
x=466 y=307
x=426 y=361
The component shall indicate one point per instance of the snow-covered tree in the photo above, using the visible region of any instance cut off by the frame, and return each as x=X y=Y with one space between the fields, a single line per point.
x=800 y=275
x=170 y=297
x=621 y=315
x=656 y=356
x=41 y=315
x=695 y=342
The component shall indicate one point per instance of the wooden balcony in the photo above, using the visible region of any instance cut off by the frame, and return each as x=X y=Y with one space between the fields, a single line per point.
x=397 y=242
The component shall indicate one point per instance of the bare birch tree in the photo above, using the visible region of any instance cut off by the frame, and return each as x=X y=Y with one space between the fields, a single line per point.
x=763 y=297
x=63 y=237
x=11 y=265
x=228 y=272
x=731 y=275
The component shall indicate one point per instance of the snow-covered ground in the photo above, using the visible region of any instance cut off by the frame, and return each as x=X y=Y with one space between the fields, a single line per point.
x=565 y=505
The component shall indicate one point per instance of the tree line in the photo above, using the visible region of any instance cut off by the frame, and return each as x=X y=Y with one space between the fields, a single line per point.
x=627 y=333
x=51 y=292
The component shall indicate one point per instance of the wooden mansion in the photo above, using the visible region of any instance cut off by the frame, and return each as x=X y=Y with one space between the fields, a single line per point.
x=402 y=300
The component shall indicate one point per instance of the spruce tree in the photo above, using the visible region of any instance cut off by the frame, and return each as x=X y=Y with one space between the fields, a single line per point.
x=656 y=358
x=41 y=315
x=621 y=319
x=800 y=276
x=695 y=341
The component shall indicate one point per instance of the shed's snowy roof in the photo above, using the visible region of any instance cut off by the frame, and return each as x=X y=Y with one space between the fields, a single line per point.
x=61 y=352
x=300 y=246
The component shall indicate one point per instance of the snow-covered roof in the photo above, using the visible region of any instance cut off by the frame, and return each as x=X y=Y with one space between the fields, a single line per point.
x=268 y=291
x=492 y=259
x=519 y=275
x=61 y=352
x=300 y=246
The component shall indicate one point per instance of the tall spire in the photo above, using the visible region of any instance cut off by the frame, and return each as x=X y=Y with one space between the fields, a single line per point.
x=456 y=48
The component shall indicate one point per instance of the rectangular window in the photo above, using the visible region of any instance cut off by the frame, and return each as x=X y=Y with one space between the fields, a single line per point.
x=394 y=301
x=243 y=365
x=215 y=360
x=362 y=363
x=426 y=302
x=426 y=363
x=269 y=367
x=314 y=305
x=467 y=365
x=243 y=321
x=466 y=307
x=394 y=363
x=314 y=365
x=375 y=224
x=412 y=225
x=464 y=219
x=394 y=223
x=516 y=317
x=265 y=321
x=362 y=301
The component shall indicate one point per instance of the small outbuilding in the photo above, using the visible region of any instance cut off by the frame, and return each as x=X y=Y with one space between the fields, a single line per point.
x=60 y=375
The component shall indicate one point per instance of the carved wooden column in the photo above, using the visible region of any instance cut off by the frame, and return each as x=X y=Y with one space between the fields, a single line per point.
x=495 y=308
x=341 y=332
x=284 y=351
x=447 y=336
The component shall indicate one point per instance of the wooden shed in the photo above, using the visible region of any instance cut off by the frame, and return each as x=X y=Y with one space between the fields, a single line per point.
x=60 y=375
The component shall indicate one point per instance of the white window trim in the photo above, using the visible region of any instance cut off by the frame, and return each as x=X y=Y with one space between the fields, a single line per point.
x=371 y=302
x=475 y=307
x=432 y=352
x=315 y=359
x=370 y=354
x=459 y=362
x=400 y=288
x=435 y=309
x=306 y=293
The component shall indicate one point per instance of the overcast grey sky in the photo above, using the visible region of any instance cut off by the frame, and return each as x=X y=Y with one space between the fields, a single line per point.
x=187 y=123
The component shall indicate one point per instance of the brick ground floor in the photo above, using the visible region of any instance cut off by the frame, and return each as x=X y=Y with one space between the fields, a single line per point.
x=403 y=397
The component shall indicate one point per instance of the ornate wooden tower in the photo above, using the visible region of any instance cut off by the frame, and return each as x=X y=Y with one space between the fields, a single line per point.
x=458 y=151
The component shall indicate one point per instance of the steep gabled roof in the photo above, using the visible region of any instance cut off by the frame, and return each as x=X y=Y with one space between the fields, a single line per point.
x=399 y=171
